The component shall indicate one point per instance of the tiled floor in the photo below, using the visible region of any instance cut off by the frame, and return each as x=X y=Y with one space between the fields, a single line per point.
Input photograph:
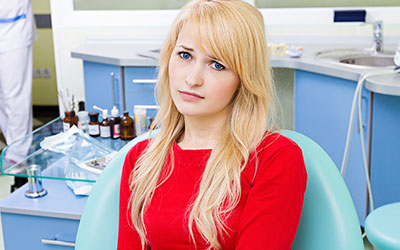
x=6 y=181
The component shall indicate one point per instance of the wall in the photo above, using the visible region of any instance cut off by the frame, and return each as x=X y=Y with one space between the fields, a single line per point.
x=44 y=90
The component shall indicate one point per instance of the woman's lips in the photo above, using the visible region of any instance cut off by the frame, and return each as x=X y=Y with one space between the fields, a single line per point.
x=190 y=96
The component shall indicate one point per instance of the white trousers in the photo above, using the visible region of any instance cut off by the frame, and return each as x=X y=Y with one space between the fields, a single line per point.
x=16 y=98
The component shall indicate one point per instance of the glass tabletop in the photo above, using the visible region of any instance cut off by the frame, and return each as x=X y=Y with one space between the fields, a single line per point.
x=74 y=157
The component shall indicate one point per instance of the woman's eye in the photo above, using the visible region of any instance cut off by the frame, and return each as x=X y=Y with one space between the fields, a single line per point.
x=184 y=55
x=217 y=66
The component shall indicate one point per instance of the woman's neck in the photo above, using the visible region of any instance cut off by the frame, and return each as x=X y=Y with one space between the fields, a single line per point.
x=201 y=132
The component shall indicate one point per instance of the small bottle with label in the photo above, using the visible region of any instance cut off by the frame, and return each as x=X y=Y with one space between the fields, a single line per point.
x=115 y=122
x=127 y=127
x=105 y=131
x=69 y=120
x=94 y=124
x=82 y=117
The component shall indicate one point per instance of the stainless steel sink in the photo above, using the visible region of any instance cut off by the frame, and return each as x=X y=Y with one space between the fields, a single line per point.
x=357 y=58
x=370 y=61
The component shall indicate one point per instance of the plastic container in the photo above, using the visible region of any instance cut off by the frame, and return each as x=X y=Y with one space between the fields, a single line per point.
x=83 y=118
x=140 y=120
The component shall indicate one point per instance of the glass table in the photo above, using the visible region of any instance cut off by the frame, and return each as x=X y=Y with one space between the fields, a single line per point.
x=76 y=159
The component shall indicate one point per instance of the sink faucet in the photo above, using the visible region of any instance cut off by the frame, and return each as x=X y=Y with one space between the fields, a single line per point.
x=377 y=46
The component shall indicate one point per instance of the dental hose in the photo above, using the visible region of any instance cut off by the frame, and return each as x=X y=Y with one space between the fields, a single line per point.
x=357 y=100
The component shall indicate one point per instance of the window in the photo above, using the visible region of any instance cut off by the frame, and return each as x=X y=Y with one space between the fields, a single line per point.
x=128 y=4
x=324 y=3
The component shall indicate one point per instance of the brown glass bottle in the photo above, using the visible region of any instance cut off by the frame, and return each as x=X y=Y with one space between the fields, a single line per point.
x=105 y=125
x=151 y=120
x=94 y=124
x=127 y=127
x=69 y=120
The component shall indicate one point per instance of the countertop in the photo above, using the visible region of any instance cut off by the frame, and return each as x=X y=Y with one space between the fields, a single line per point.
x=60 y=202
x=139 y=54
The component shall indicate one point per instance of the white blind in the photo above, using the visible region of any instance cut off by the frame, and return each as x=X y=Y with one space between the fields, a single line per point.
x=324 y=3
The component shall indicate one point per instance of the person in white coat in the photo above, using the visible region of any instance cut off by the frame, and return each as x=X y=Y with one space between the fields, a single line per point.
x=17 y=33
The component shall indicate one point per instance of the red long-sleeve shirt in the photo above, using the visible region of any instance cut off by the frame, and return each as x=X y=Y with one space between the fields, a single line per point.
x=266 y=217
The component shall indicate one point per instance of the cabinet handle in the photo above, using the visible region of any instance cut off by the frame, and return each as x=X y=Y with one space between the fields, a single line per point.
x=58 y=242
x=113 y=87
x=144 y=81
x=364 y=109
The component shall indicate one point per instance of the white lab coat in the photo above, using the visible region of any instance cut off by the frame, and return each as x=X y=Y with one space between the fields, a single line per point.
x=17 y=33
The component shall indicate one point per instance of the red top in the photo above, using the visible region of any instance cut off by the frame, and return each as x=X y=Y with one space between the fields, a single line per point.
x=266 y=217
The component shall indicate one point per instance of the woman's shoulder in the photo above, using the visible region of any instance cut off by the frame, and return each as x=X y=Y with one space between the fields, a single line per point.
x=137 y=150
x=277 y=153
x=274 y=142
x=133 y=155
x=277 y=156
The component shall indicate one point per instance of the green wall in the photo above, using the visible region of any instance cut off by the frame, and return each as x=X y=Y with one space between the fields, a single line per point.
x=44 y=90
x=284 y=83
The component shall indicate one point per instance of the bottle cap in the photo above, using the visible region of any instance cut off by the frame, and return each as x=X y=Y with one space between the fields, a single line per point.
x=105 y=113
x=70 y=113
x=126 y=113
x=81 y=105
x=114 y=112
x=94 y=116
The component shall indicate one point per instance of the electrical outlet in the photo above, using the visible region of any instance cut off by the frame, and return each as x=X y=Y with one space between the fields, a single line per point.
x=41 y=73
x=36 y=73
x=46 y=73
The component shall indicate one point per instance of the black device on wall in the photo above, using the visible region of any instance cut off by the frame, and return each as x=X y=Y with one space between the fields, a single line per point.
x=349 y=15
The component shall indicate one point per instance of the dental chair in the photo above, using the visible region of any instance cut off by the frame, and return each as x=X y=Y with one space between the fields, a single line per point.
x=328 y=221
x=382 y=227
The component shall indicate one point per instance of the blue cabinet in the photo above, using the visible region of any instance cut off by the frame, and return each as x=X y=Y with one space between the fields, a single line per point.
x=125 y=86
x=322 y=109
x=102 y=85
x=139 y=87
x=38 y=232
x=385 y=149
x=47 y=223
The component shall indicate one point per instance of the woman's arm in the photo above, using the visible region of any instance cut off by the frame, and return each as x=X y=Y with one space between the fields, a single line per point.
x=273 y=207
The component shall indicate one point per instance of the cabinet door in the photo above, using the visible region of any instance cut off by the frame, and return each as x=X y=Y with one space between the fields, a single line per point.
x=385 y=148
x=101 y=87
x=139 y=87
x=37 y=232
x=322 y=112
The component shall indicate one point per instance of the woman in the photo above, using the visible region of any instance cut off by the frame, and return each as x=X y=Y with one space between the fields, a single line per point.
x=216 y=176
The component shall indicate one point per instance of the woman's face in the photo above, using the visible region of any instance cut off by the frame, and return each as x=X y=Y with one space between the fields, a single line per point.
x=200 y=85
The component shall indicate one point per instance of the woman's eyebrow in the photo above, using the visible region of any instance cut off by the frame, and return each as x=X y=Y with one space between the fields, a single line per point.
x=186 y=48
x=190 y=49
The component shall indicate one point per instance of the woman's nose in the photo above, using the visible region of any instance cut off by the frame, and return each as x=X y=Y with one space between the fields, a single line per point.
x=195 y=76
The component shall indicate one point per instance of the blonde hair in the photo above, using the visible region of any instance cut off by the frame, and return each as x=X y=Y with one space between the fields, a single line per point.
x=233 y=31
